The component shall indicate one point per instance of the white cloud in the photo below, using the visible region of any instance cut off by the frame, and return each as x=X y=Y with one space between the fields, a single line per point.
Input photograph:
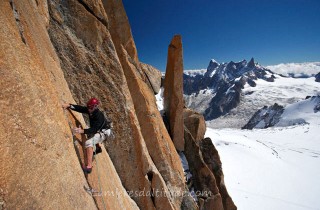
x=195 y=72
x=298 y=69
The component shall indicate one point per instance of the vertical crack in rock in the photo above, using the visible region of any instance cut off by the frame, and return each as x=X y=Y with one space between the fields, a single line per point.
x=103 y=21
x=150 y=177
x=17 y=18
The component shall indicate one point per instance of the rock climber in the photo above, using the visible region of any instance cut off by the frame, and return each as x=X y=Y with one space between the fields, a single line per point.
x=100 y=128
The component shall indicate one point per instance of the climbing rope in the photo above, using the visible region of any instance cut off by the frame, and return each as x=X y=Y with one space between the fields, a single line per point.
x=90 y=190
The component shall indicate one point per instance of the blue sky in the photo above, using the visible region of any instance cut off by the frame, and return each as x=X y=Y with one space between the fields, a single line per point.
x=271 y=31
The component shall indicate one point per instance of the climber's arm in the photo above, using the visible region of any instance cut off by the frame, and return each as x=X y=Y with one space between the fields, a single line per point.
x=77 y=108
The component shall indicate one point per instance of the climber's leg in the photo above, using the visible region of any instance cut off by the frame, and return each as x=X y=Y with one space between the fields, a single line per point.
x=89 y=151
x=97 y=138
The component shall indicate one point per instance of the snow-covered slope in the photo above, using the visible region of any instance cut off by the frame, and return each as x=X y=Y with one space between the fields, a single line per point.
x=275 y=168
x=276 y=115
x=283 y=91
x=219 y=94
x=302 y=111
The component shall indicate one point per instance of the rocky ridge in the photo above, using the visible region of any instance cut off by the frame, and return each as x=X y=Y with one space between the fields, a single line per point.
x=280 y=116
x=153 y=130
x=207 y=180
x=69 y=51
x=223 y=83
x=202 y=165
x=265 y=117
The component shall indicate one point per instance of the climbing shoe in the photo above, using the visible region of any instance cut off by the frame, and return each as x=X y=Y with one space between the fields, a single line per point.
x=98 y=149
x=86 y=169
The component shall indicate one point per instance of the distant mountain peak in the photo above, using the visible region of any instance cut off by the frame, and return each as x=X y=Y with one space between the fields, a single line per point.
x=214 y=61
x=251 y=63
x=225 y=81
x=213 y=64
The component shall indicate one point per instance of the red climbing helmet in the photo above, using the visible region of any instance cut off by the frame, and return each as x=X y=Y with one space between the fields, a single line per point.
x=92 y=103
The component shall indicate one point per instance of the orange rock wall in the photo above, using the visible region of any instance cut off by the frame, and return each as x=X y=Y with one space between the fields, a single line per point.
x=39 y=166
x=155 y=135
x=59 y=51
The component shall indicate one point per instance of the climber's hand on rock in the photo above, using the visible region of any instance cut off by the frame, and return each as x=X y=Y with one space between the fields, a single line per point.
x=78 y=130
x=65 y=105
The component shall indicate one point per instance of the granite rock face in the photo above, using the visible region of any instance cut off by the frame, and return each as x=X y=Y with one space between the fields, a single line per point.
x=173 y=92
x=153 y=76
x=195 y=124
x=154 y=132
x=205 y=165
x=211 y=157
x=59 y=51
x=93 y=66
x=204 y=181
x=40 y=168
